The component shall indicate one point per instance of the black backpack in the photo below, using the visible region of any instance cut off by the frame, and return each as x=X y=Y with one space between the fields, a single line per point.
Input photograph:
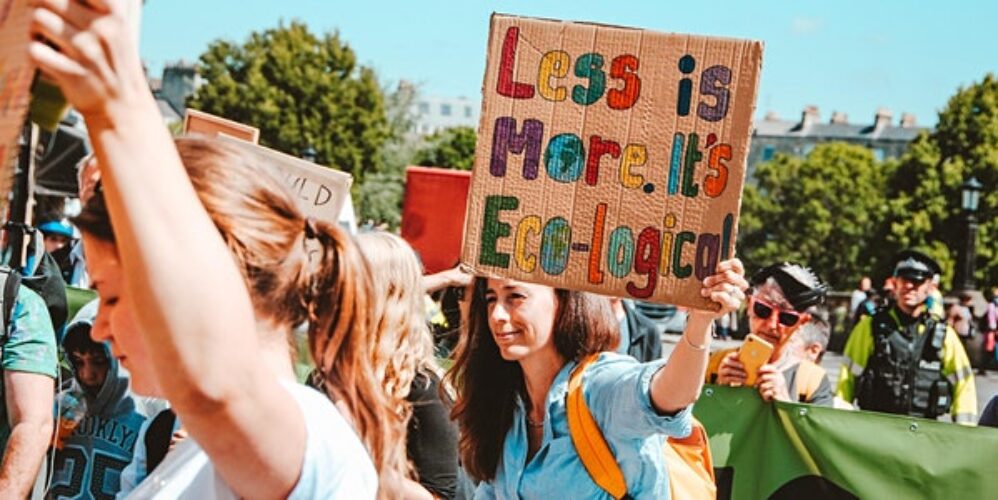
x=904 y=373
x=10 y=282
x=48 y=283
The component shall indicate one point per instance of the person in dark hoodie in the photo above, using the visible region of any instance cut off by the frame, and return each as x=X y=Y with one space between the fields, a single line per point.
x=89 y=461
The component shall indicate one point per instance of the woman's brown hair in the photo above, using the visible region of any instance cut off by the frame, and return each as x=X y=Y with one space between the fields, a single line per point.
x=297 y=270
x=488 y=386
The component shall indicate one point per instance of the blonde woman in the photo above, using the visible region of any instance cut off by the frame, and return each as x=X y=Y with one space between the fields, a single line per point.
x=405 y=363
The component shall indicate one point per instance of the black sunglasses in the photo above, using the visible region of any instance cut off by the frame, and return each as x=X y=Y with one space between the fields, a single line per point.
x=763 y=310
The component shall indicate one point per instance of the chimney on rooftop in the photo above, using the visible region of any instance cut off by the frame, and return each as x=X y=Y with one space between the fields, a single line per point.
x=839 y=118
x=882 y=119
x=908 y=120
x=810 y=116
x=771 y=116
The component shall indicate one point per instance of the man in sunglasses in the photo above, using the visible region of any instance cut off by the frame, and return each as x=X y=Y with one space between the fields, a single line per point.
x=785 y=297
x=905 y=359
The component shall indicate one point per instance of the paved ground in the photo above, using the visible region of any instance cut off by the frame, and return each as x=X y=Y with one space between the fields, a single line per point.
x=987 y=386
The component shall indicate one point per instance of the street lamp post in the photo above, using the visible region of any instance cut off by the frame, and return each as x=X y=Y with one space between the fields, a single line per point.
x=970 y=192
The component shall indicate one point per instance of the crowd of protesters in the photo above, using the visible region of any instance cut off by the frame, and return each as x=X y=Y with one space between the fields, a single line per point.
x=181 y=382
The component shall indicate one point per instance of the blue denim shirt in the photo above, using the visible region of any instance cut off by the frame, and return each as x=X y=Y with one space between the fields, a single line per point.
x=616 y=391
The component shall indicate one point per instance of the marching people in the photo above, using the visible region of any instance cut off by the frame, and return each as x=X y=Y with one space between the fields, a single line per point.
x=88 y=460
x=639 y=338
x=905 y=359
x=990 y=333
x=118 y=324
x=811 y=340
x=212 y=332
x=860 y=294
x=405 y=364
x=512 y=372
x=785 y=297
x=28 y=366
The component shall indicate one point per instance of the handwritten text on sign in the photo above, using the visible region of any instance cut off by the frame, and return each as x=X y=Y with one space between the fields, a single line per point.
x=16 y=72
x=610 y=159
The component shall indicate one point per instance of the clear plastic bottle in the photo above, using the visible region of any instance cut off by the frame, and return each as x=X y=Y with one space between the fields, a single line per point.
x=71 y=407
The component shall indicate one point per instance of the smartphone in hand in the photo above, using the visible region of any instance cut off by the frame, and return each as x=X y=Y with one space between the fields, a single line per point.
x=754 y=353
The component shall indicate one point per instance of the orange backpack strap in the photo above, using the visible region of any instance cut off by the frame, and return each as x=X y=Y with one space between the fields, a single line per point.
x=809 y=377
x=687 y=460
x=589 y=442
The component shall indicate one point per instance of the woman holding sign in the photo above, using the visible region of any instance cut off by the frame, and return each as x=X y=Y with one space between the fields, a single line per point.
x=515 y=369
x=192 y=231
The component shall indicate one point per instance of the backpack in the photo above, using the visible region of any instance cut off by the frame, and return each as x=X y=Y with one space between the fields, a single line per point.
x=158 y=437
x=10 y=282
x=688 y=461
x=47 y=282
x=809 y=378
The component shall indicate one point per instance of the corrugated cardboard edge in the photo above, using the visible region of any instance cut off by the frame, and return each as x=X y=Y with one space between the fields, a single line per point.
x=18 y=19
x=224 y=123
x=754 y=58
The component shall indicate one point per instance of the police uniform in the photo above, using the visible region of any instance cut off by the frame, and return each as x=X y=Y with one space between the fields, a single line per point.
x=918 y=363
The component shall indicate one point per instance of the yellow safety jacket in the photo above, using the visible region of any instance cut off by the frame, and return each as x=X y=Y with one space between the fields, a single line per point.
x=955 y=367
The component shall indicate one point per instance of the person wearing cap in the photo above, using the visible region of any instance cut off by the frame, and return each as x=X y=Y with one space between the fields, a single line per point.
x=57 y=234
x=61 y=243
x=785 y=297
x=905 y=359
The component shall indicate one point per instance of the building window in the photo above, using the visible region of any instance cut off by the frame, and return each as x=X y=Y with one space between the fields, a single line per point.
x=767 y=152
x=445 y=109
x=808 y=148
x=424 y=107
x=880 y=154
x=467 y=111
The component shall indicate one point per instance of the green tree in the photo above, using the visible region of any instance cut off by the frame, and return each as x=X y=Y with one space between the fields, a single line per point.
x=301 y=90
x=449 y=148
x=925 y=188
x=379 y=198
x=823 y=211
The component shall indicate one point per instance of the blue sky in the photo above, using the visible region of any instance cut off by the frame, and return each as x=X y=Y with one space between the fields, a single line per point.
x=849 y=56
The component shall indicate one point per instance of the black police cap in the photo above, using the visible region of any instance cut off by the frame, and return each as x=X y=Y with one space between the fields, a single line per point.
x=915 y=265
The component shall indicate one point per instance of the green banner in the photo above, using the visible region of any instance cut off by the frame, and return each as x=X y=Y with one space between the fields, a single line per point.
x=76 y=298
x=786 y=450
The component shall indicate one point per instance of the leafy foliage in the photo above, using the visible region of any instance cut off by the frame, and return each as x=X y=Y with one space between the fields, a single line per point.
x=449 y=148
x=925 y=207
x=822 y=211
x=301 y=90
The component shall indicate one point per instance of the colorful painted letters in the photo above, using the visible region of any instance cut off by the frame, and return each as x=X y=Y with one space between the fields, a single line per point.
x=610 y=159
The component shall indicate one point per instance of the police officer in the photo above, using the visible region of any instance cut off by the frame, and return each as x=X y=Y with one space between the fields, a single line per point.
x=905 y=359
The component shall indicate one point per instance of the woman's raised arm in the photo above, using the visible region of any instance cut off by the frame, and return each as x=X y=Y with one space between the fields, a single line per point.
x=194 y=311
x=678 y=384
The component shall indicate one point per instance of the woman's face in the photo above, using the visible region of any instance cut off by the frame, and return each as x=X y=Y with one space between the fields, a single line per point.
x=115 y=323
x=521 y=317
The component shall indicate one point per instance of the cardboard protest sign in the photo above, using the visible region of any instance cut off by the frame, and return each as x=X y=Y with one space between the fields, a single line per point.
x=429 y=221
x=610 y=159
x=321 y=191
x=16 y=73
x=199 y=122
